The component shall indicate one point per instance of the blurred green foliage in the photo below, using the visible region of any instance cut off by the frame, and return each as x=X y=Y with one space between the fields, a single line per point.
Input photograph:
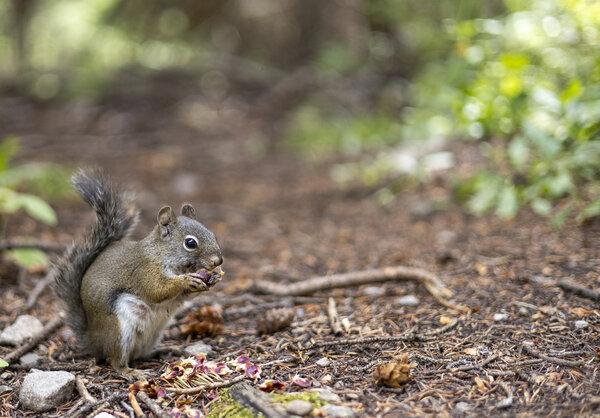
x=524 y=83
x=20 y=189
x=521 y=78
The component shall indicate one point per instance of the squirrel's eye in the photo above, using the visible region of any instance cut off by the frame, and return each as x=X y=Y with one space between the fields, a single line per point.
x=190 y=243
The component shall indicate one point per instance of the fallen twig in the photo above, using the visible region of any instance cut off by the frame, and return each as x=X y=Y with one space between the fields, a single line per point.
x=40 y=286
x=82 y=390
x=356 y=278
x=153 y=406
x=44 y=333
x=334 y=320
x=50 y=247
x=103 y=403
x=578 y=290
x=202 y=388
x=137 y=409
x=561 y=362
x=409 y=336
x=474 y=366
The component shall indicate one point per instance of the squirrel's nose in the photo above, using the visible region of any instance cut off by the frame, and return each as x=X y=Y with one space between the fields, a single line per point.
x=217 y=260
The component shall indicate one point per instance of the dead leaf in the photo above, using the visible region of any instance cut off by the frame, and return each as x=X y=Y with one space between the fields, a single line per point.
x=580 y=312
x=471 y=351
x=480 y=384
x=394 y=374
x=445 y=320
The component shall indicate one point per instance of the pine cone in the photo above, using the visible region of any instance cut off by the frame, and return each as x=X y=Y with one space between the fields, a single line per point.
x=204 y=321
x=274 y=320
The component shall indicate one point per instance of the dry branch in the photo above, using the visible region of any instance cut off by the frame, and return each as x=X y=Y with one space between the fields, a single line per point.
x=82 y=390
x=137 y=409
x=356 y=278
x=578 y=290
x=153 y=406
x=202 y=388
x=49 y=247
x=561 y=362
x=44 y=333
x=40 y=286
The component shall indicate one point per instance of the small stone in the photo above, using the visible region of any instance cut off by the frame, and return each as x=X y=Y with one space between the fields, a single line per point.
x=42 y=391
x=198 y=348
x=298 y=407
x=30 y=359
x=326 y=380
x=5 y=389
x=374 y=291
x=500 y=317
x=581 y=324
x=24 y=328
x=324 y=362
x=104 y=415
x=462 y=407
x=6 y=376
x=408 y=300
x=327 y=395
x=338 y=411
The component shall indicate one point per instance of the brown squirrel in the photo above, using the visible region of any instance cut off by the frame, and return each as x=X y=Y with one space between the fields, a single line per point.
x=119 y=294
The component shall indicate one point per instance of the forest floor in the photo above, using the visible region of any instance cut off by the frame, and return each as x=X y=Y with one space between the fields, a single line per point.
x=514 y=350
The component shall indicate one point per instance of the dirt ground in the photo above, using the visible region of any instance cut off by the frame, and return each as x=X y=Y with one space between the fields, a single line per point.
x=515 y=351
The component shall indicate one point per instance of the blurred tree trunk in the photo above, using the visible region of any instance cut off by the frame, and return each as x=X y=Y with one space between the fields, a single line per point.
x=22 y=10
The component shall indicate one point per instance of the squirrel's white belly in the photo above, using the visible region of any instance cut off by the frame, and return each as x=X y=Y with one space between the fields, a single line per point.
x=141 y=324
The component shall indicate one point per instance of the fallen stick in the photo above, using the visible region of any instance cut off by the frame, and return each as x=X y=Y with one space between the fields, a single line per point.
x=561 y=362
x=202 y=388
x=356 y=278
x=578 y=290
x=44 y=333
x=334 y=320
x=40 y=286
x=153 y=406
x=82 y=390
x=49 y=247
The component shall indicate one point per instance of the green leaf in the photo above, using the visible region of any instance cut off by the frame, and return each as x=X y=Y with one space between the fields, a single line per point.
x=3 y=363
x=518 y=152
x=8 y=148
x=28 y=258
x=37 y=208
x=559 y=219
x=590 y=211
x=541 y=206
x=508 y=202
x=485 y=196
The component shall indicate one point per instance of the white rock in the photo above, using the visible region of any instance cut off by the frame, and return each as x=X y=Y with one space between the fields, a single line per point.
x=323 y=362
x=198 y=348
x=42 y=391
x=327 y=395
x=500 y=317
x=338 y=411
x=374 y=291
x=104 y=415
x=408 y=300
x=29 y=359
x=298 y=407
x=24 y=328
x=5 y=389
x=581 y=324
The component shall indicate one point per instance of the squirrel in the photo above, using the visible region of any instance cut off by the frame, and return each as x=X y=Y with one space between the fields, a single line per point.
x=120 y=294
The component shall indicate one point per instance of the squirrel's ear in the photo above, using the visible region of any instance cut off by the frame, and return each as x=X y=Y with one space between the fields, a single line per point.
x=166 y=220
x=188 y=211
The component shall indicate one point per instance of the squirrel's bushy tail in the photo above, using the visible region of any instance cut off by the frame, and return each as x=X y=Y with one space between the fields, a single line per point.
x=116 y=217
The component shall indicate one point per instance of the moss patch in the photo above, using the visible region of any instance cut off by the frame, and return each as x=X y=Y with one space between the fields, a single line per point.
x=228 y=407
x=285 y=398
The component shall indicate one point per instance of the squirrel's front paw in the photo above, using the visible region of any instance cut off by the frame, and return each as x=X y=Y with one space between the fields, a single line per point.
x=196 y=282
